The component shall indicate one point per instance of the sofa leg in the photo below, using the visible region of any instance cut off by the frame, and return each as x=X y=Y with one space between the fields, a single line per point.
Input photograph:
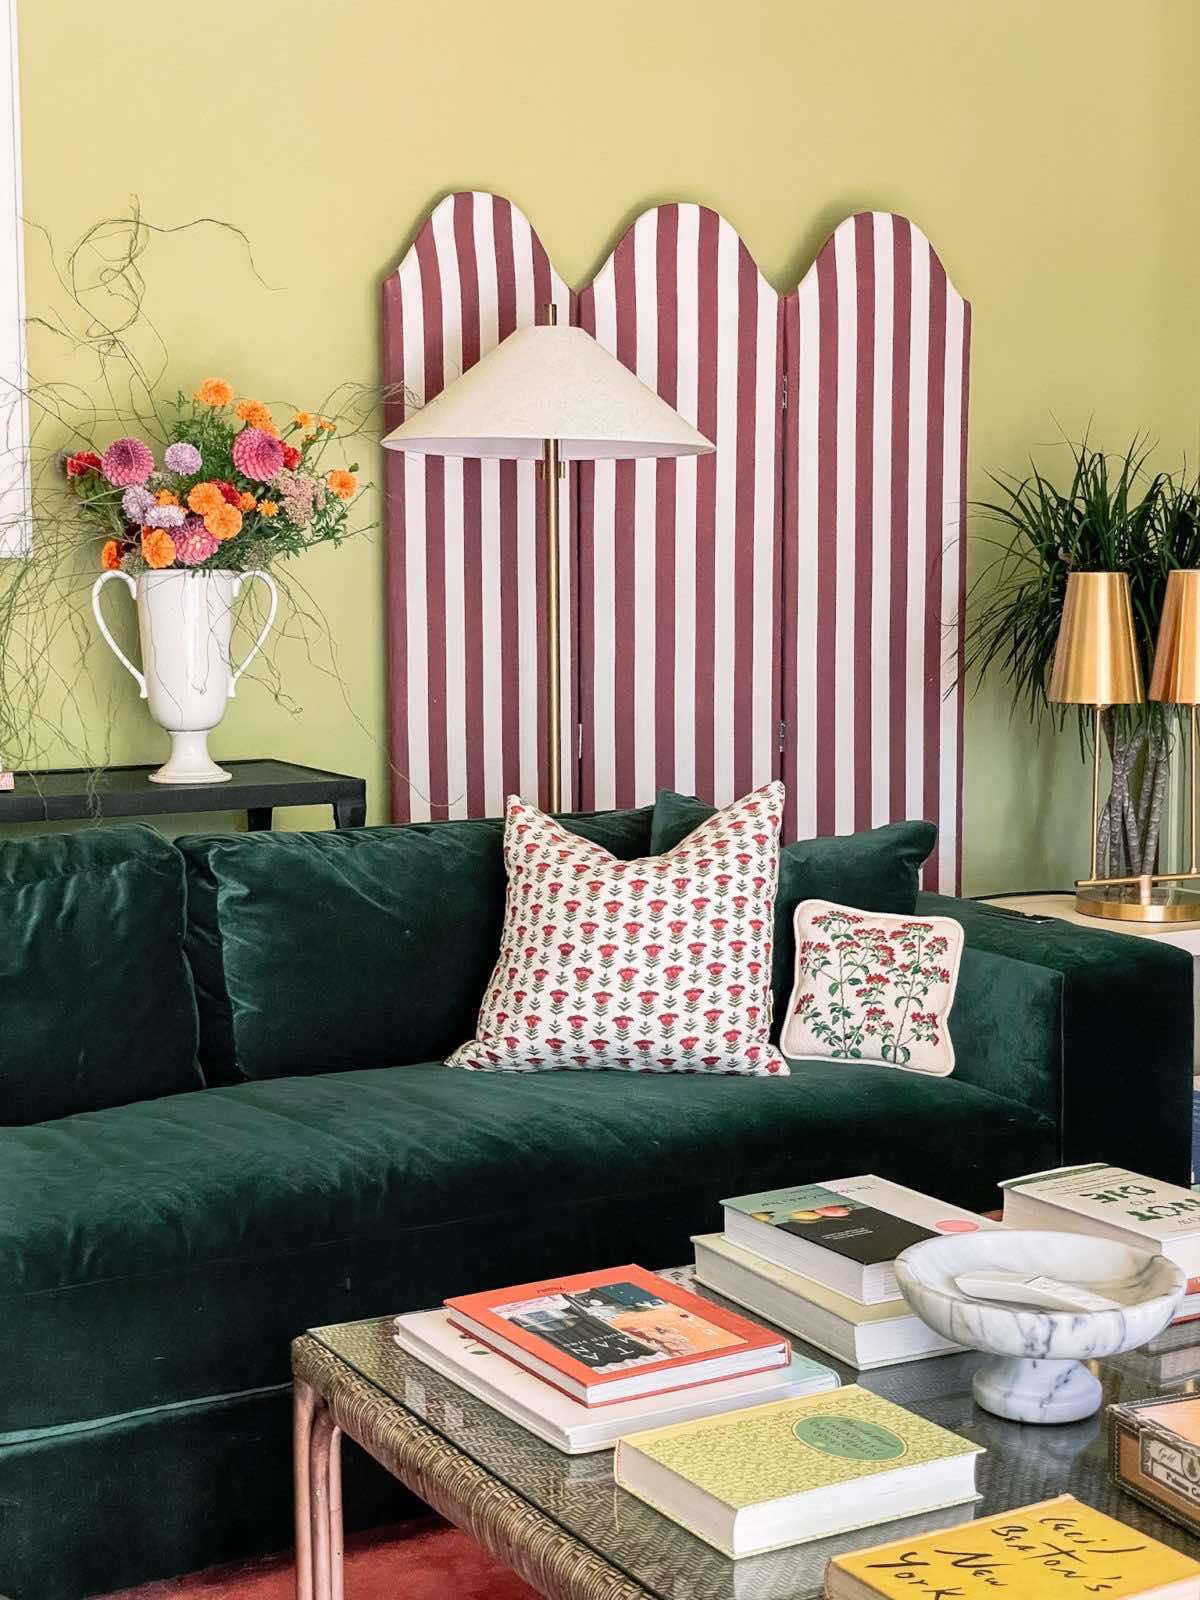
x=325 y=1506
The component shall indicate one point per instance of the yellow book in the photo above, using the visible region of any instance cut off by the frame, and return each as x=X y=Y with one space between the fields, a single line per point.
x=793 y=1470
x=1047 y=1551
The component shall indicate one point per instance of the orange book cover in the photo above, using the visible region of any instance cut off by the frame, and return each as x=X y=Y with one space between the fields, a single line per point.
x=620 y=1330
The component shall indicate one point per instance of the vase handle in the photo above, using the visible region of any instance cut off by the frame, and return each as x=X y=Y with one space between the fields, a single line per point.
x=103 y=626
x=244 y=577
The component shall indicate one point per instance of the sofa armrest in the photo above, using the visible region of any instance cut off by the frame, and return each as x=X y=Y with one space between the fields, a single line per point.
x=1006 y=1027
x=1125 y=1058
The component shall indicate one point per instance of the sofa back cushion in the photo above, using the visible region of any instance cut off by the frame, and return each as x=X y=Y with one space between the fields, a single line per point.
x=876 y=870
x=369 y=947
x=96 y=1001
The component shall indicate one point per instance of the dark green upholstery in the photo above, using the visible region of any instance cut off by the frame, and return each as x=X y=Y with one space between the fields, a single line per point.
x=877 y=870
x=157 y=1257
x=218 y=1224
x=96 y=1003
x=381 y=939
x=1128 y=1003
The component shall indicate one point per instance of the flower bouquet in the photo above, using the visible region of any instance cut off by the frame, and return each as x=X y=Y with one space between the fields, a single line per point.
x=234 y=492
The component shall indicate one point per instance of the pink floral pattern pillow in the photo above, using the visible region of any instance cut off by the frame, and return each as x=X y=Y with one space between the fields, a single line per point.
x=873 y=987
x=656 y=965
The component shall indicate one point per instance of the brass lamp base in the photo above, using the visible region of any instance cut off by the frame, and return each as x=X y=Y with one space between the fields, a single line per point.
x=1172 y=900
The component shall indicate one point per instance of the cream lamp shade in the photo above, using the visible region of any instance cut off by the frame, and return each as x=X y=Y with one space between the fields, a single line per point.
x=1176 y=675
x=1096 y=660
x=544 y=383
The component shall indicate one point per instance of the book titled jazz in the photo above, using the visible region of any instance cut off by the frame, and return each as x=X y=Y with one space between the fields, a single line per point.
x=1056 y=1548
x=617 y=1334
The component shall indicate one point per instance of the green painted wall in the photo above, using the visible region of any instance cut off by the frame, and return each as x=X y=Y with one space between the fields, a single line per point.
x=1047 y=147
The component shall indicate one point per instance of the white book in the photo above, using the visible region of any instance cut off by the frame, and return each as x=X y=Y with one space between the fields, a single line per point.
x=1111 y=1202
x=569 y=1425
x=863 y=1337
x=846 y=1233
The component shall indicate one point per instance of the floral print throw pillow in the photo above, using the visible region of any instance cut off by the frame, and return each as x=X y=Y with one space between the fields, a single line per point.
x=656 y=965
x=873 y=987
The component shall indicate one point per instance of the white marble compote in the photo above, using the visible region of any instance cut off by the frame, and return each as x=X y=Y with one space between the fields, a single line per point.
x=1036 y=1375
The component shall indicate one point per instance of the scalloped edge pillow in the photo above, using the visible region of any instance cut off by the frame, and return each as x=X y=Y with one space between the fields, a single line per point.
x=661 y=964
x=873 y=987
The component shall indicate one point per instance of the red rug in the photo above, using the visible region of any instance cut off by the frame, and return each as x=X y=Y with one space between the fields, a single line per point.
x=430 y=1561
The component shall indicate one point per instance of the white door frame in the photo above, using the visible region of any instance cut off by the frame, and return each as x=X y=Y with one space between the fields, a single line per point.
x=14 y=409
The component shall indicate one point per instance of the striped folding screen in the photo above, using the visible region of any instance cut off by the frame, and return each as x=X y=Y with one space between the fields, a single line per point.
x=876 y=344
x=466 y=566
x=789 y=605
x=679 y=561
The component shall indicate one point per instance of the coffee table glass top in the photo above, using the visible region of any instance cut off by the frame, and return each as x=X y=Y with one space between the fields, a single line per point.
x=1023 y=1463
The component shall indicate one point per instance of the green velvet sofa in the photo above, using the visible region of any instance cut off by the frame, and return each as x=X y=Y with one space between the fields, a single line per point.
x=224 y=1118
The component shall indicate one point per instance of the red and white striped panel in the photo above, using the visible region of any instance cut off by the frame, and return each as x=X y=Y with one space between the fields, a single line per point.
x=466 y=566
x=877 y=346
x=679 y=562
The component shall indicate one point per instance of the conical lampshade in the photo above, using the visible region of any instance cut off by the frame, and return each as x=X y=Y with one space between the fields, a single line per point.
x=548 y=383
x=1096 y=662
x=1176 y=675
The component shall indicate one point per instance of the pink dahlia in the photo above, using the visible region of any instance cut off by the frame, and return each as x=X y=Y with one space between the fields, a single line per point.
x=193 y=542
x=257 y=454
x=127 y=461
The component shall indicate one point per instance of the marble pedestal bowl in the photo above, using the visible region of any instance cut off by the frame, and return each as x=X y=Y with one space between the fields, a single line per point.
x=1035 y=1374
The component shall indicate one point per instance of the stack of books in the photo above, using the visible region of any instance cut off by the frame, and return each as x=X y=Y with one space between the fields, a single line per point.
x=1114 y=1203
x=819 y=1259
x=581 y=1360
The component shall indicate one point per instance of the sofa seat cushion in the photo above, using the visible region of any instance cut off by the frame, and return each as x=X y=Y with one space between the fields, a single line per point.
x=380 y=941
x=167 y=1251
x=95 y=994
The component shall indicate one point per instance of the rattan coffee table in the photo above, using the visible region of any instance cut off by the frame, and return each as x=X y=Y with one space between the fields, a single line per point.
x=561 y=1522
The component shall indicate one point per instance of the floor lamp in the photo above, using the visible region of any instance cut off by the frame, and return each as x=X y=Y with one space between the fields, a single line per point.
x=550 y=394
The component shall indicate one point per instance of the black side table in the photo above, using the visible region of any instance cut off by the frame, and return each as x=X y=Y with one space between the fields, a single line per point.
x=67 y=794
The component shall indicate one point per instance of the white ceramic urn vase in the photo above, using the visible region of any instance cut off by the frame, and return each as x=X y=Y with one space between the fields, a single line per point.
x=185 y=623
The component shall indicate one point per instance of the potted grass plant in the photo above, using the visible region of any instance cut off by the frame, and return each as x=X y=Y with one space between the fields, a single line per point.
x=1111 y=514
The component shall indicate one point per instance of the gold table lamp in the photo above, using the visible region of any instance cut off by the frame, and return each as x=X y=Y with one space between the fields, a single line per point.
x=1096 y=664
x=550 y=394
x=1176 y=680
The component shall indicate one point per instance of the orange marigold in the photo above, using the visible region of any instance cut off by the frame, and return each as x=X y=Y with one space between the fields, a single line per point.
x=158 y=547
x=205 y=497
x=342 y=483
x=247 y=502
x=223 y=521
x=324 y=422
x=303 y=419
x=268 y=508
x=257 y=415
x=214 y=392
x=164 y=497
x=110 y=556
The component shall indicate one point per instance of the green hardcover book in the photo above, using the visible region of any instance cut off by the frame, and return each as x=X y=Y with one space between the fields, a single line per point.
x=797 y=1470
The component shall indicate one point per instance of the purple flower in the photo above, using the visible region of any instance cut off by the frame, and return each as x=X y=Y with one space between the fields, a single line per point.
x=183 y=458
x=165 y=517
x=136 y=502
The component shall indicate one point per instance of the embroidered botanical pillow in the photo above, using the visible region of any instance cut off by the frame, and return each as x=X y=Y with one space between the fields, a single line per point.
x=873 y=987
x=657 y=965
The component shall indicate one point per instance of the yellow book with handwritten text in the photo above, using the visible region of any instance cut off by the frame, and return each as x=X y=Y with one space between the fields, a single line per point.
x=1047 y=1551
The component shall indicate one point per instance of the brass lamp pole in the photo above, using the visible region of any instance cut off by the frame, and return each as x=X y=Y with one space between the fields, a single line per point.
x=548 y=394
